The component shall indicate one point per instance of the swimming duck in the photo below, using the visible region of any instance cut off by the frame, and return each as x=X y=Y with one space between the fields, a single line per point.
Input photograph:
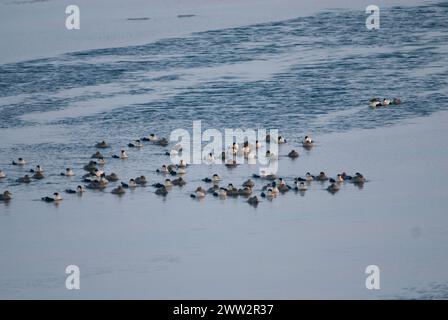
x=38 y=169
x=163 y=169
x=178 y=182
x=130 y=184
x=199 y=193
x=161 y=142
x=2 y=174
x=182 y=164
x=358 y=178
x=293 y=154
x=135 y=144
x=118 y=190
x=307 y=142
x=300 y=186
x=97 y=172
x=214 y=189
x=38 y=176
x=24 y=179
x=322 y=176
x=141 y=180
x=79 y=190
x=339 y=178
x=281 y=140
x=216 y=178
x=269 y=194
x=245 y=192
x=96 y=155
x=68 y=173
x=375 y=102
x=309 y=177
x=20 y=162
x=210 y=157
x=395 y=101
x=112 y=177
x=283 y=187
x=101 y=161
x=123 y=155
x=96 y=185
x=91 y=166
x=162 y=191
x=271 y=155
x=222 y=193
x=333 y=188
x=6 y=196
x=248 y=183
x=102 y=145
x=268 y=138
x=56 y=197
x=274 y=188
x=386 y=102
x=253 y=201
x=345 y=176
x=152 y=137
x=257 y=144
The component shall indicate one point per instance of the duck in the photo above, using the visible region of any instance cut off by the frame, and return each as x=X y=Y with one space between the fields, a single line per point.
x=90 y=167
x=395 y=101
x=96 y=185
x=162 y=191
x=135 y=144
x=163 y=142
x=2 y=174
x=386 y=102
x=322 y=176
x=268 y=138
x=345 y=176
x=213 y=189
x=130 y=184
x=245 y=192
x=283 y=187
x=374 y=102
x=223 y=155
x=56 y=198
x=118 y=190
x=339 y=178
x=79 y=190
x=152 y=137
x=257 y=144
x=216 y=178
x=97 y=155
x=141 y=180
x=358 y=178
x=38 y=176
x=6 y=196
x=25 y=179
x=199 y=193
x=271 y=155
x=249 y=183
x=123 y=155
x=179 y=182
x=333 y=188
x=68 y=173
x=274 y=188
x=102 y=145
x=269 y=194
x=281 y=140
x=163 y=169
x=210 y=157
x=253 y=201
x=101 y=161
x=232 y=191
x=309 y=177
x=37 y=169
x=300 y=186
x=221 y=193
x=20 y=162
x=98 y=173
x=182 y=164
x=307 y=142
x=293 y=154
x=112 y=177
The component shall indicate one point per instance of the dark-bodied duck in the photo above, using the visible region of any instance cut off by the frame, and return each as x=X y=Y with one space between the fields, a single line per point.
x=293 y=154
x=199 y=193
x=118 y=191
x=25 y=179
x=178 y=182
x=6 y=196
x=102 y=145
x=56 y=198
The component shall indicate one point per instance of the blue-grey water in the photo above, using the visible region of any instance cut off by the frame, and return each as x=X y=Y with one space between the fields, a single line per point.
x=311 y=74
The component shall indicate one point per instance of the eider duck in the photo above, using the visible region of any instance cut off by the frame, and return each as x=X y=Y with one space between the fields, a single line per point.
x=257 y=144
x=56 y=197
x=231 y=164
x=20 y=162
x=135 y=144
x=6 y=196
x=358 y=178
x=118 y=190
x=248 y=183
x=112 y=177
x=245 y=192
x=375 y=102
x=96 y=155
x=300 y=186
x=161 y=142
x=101 y=161
x=130 y=184
x=2 y=174
x=307 y=142
x=293 y=154
x=141 y=180
x=199 y=193
x=322 y=176
x=309 y=177
x=38 y=176
x=68 y=173
x=333 y=188
x=163 y=169
x=162 y=191
x=281 y=140
x=253 y=201
x=38 y=169
x=79 y=190
x=221 y=193
x=102 y=145
x=178 y=182
x=214 y=189
x=25 y=179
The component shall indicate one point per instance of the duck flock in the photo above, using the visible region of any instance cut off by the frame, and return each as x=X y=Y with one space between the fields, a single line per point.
x=96 y=178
